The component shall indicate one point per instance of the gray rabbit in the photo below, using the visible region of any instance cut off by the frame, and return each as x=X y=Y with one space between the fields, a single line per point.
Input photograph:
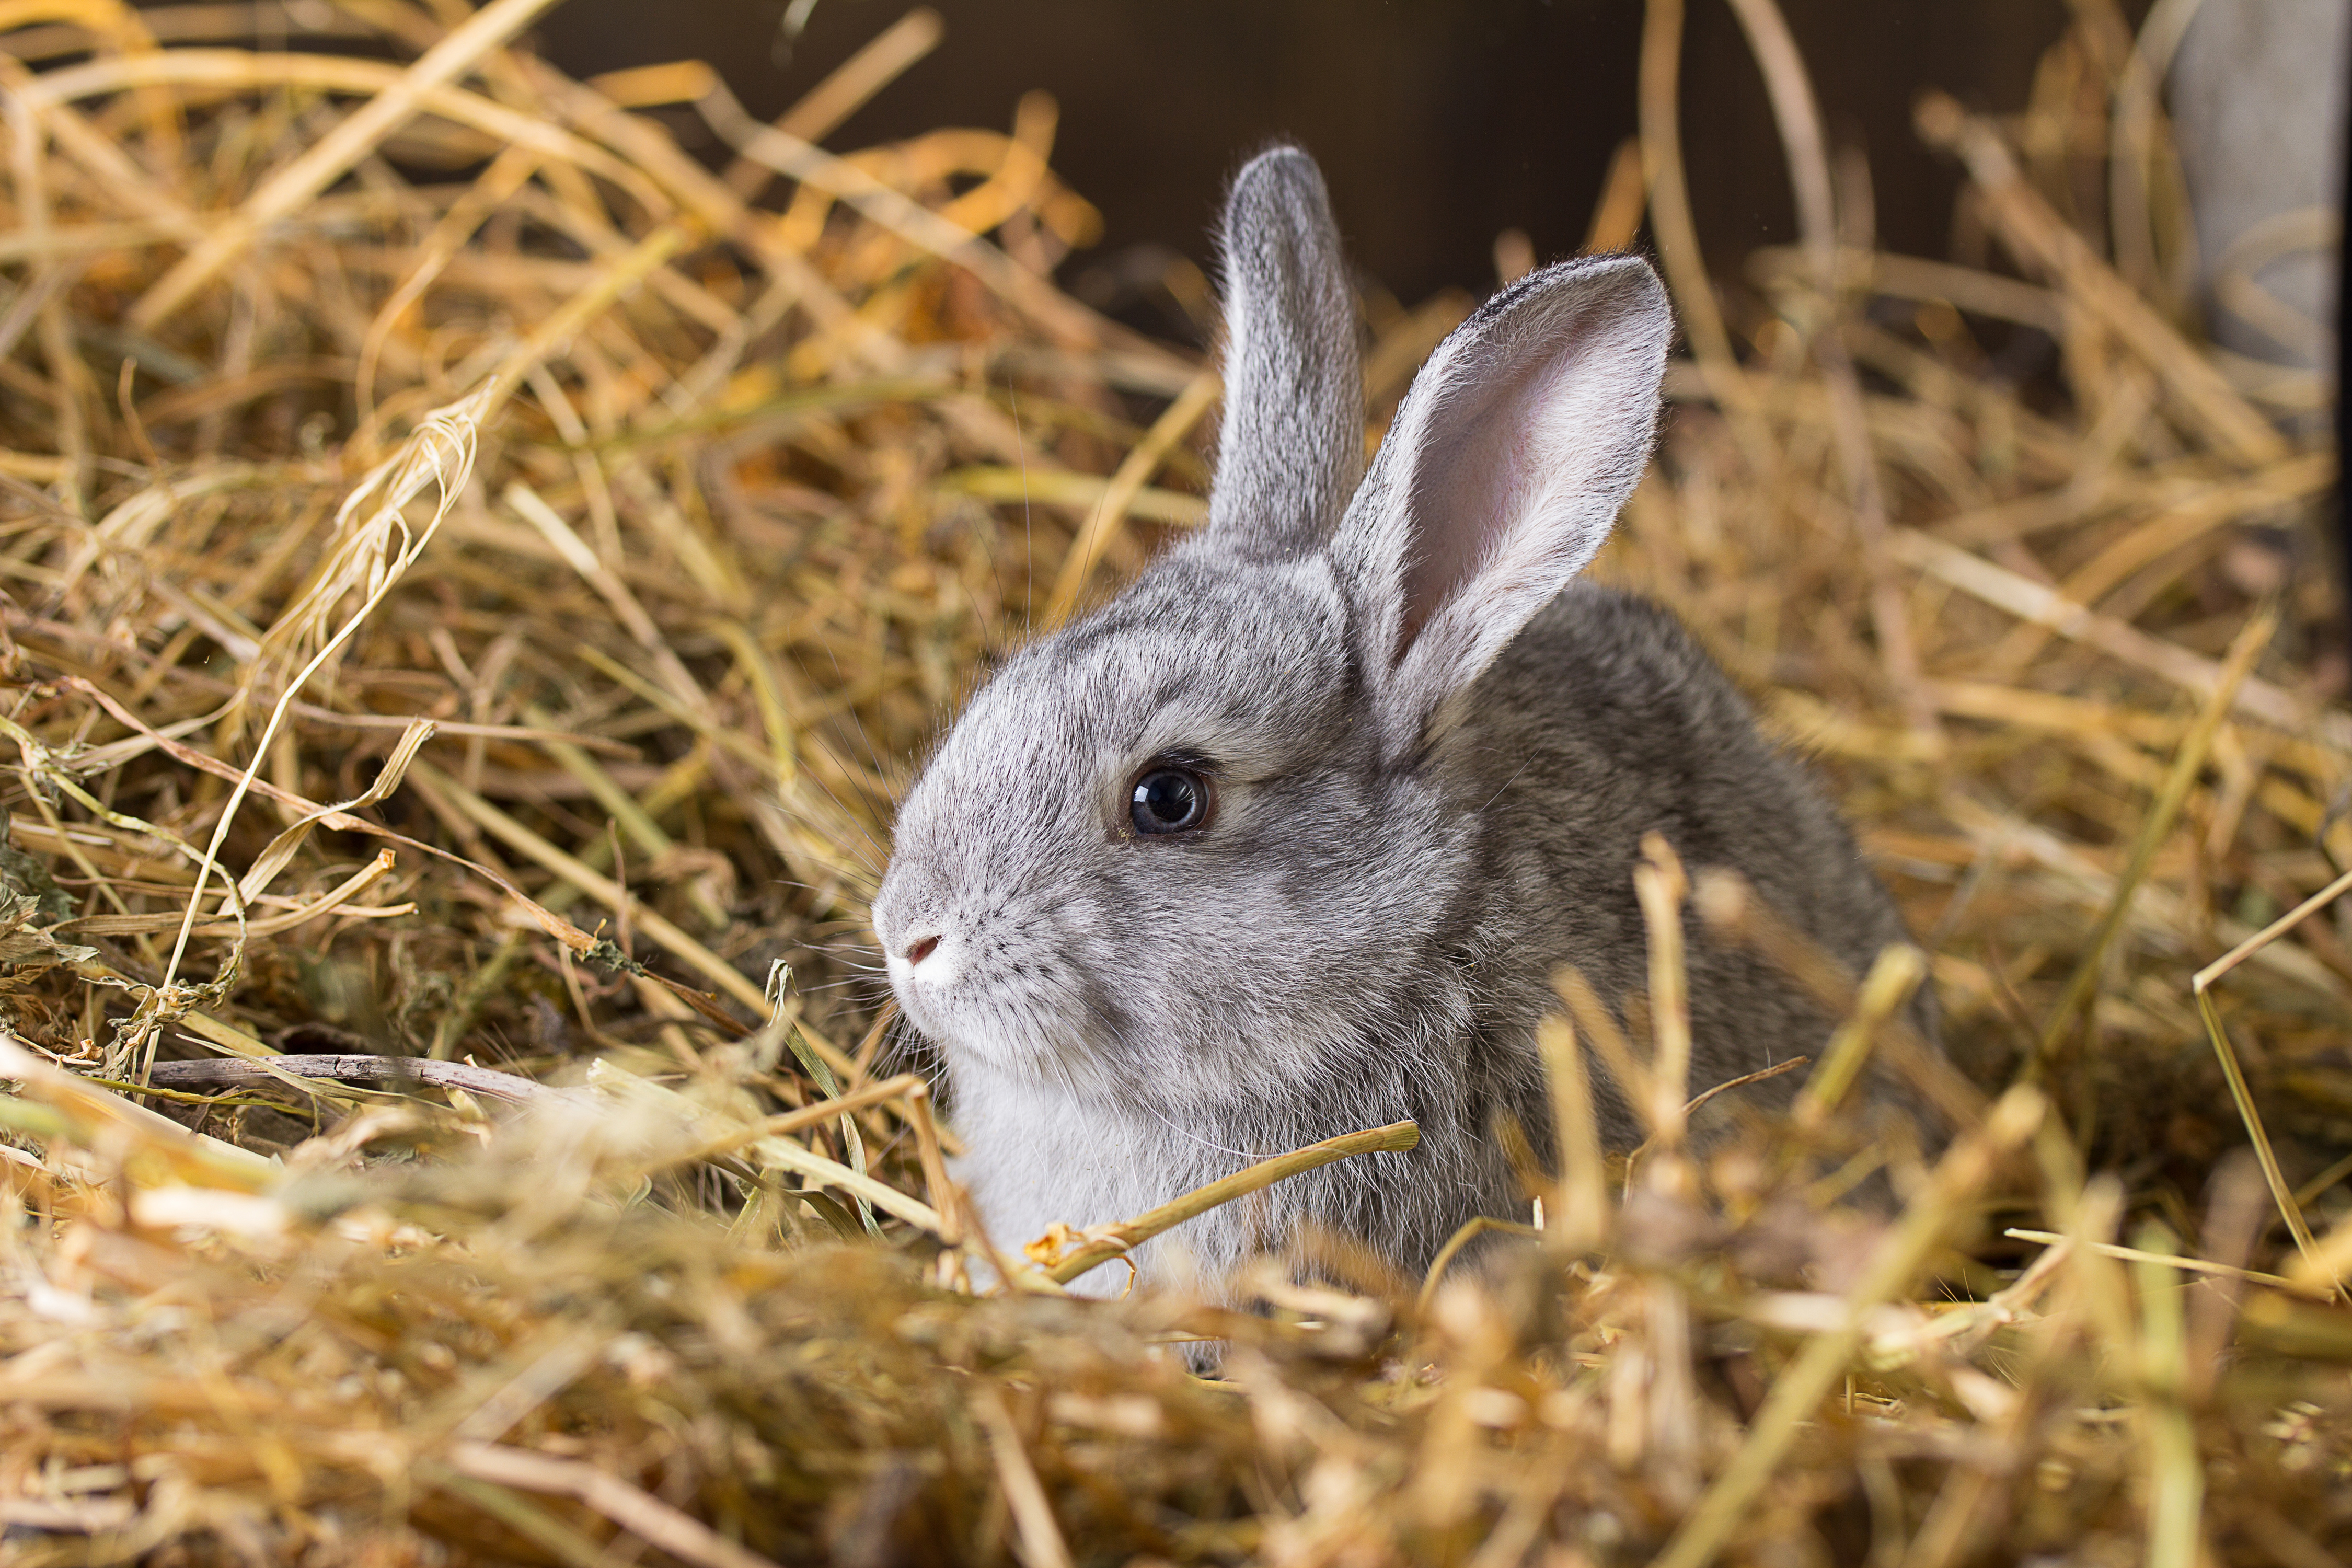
x=1289 y=839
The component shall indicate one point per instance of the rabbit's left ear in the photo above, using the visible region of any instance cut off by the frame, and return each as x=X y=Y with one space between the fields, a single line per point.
x=1499 y=479
x=1291 y=442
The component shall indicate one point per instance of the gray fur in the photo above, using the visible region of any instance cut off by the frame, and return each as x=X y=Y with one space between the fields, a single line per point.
x=1293 y=436
x=1435 y=758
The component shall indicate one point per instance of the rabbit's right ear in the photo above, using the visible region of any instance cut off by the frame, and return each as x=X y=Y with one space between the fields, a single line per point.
x=1499 y=479
x=1291 y=445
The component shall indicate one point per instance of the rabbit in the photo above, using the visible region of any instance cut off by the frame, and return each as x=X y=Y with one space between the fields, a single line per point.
x=1289 y=839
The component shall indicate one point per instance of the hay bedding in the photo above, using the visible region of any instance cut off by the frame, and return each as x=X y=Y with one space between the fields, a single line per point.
x=475 y=573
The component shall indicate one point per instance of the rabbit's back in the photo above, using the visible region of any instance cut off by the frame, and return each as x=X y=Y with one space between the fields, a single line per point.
x=1605 y=720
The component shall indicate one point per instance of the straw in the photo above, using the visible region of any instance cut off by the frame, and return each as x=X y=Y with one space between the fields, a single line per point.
x=437 y=506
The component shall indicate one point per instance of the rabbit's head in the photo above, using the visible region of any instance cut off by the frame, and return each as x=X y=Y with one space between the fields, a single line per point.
x=1191 y=848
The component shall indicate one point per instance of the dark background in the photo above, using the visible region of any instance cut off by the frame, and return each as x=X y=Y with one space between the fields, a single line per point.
x=1438 y=122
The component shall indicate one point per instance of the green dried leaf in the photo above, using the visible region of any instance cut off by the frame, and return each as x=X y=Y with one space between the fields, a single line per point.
x=21 y=873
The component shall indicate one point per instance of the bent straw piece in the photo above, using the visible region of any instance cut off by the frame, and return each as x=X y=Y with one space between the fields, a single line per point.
x=1797 y=1391
x=767 y=699
x=173 y=24
x=2271 y=932
x=2296 y=478
x=2083 y=986
x=281 y=850
x=2044 y=241
x=1468 y=1231
x=2243 y=1097
x=333 y=154
x=1676 y=233
x=2133 y=133
x=1799 y=119
x=1112 y=1240
x=1762 y=1075
x=137 y=193
x=131 y=525
x=1110 y=515
x=125 y=32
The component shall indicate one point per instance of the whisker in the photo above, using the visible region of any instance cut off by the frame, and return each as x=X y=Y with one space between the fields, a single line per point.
x=856 y=722
x=1028 y=526
x=824 y=829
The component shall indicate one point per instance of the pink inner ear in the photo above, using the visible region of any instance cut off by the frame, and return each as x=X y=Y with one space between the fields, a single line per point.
x=1468 y=490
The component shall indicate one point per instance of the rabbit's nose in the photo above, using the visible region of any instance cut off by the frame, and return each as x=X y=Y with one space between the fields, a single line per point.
x=921 y=948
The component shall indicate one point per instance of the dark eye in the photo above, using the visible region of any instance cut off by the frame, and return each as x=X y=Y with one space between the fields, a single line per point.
x=1170 y=799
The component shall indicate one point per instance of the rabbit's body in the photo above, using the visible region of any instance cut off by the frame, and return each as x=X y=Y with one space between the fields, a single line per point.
x=1289 y=839
x=1601 y=721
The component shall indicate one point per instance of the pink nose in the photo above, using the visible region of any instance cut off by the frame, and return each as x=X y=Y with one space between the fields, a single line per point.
x=921 y=948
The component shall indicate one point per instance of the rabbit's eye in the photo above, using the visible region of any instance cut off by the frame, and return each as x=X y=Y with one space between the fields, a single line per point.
x=1169 y=799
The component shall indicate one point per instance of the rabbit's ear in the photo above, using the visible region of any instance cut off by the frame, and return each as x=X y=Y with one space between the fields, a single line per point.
x=1292 y=443
x=1500 y=477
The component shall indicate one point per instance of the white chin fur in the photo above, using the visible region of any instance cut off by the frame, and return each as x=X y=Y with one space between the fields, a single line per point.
x=940 y=968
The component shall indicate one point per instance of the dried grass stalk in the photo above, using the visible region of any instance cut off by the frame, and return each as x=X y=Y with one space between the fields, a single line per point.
x=436 y=510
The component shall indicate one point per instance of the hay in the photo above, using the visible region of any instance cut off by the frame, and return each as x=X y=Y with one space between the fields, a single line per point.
x=474 y=579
